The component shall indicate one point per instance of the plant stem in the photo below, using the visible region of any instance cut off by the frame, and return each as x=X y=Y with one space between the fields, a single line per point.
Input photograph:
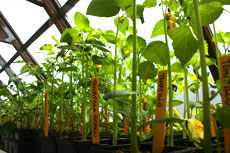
x=62 y=99
x=84 y=133
x=134 y=85
x=186 y=98
x=170 y=85
x=115 y=121
x=140 y=106
x=206 y=102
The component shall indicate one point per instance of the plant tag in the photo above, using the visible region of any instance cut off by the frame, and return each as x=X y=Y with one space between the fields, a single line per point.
x=213 y=125
x=159 y=129
x=125 y=124
x=46 y=115
x=95 y=111
x=225 y=72
x=106 y=120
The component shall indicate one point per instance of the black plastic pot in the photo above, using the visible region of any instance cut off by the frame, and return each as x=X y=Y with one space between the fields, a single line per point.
x=67 y=145
x=25 y=141
x=48 y=145
x=145 y=147
x=87 y=146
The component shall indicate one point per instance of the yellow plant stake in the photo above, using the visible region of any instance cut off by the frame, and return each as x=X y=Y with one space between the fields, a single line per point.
x=106 y=120
x=159 y=129
x=225 y=71
x=95 y=111
x=46 y=114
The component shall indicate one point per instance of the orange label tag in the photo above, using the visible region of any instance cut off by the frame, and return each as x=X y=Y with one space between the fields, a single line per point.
x=46 y=114
x=95 y=111
x=106 y=120
x=225 y=71
x=125 y=124
x=213 y=126
x=159 y=129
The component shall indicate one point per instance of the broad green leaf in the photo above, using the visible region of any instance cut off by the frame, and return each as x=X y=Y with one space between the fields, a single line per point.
x=102 y=8
x=225 y=2
x=141 y=43
x=122 y=101
x=158 y=52
x=118 y=93
x=193 y=87
x=158 y=29
x=209 y=12
x=223 y=115
x=95 y=42
x=147 y=71
x=140 y=10
x=177 y=67
x=124 y=4
x=172 y=4
x=162 y=120
x=210 y=61
x=67 y=69
x=118 y=87
x=150 y=3
x=123 y=111
x=81 y=21
x=48 y=47
x=123 y=25
x=176 y=103
x=184 y=43
x=100 y=60
x=69 y=35
x=110 y=38
x=108 y=69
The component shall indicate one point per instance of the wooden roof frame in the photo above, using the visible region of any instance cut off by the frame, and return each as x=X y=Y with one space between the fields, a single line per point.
x=57 y=17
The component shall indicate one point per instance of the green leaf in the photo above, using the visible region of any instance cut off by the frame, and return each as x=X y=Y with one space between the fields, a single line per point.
x=100 y=60
x=140 y=10
x=225 y=2
x=48 y=47
x=118 y=93
x=150 y=3
x=69 y=35
x=124 y=4
x=177 y=103
x=223 y=115
x=172 y=4
x=184 y=43
x=158 y=29
x=110 y=38
x=108 y=69
x=123 y=25
x=124 y=111
x=102 y=8
x=209 y=12
x=177 y=67
x=81 y=21
x=141 y=43
x=162 y=120
x=67 y=69
x=147 y=71
x=210 y=61
x=158 y=52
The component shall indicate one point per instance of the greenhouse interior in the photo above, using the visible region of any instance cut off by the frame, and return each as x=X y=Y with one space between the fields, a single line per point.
x=114 y=76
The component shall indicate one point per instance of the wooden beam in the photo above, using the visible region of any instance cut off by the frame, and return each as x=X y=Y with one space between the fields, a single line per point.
x=55 y=16
x=37 y=2
x=18 y=45
x=62 y=10
x=211 y=51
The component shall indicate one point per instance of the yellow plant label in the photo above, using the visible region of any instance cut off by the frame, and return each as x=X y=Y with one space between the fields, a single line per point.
x=46 y=114
x=225 y=72
x=95 y=111
x=159 y=129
